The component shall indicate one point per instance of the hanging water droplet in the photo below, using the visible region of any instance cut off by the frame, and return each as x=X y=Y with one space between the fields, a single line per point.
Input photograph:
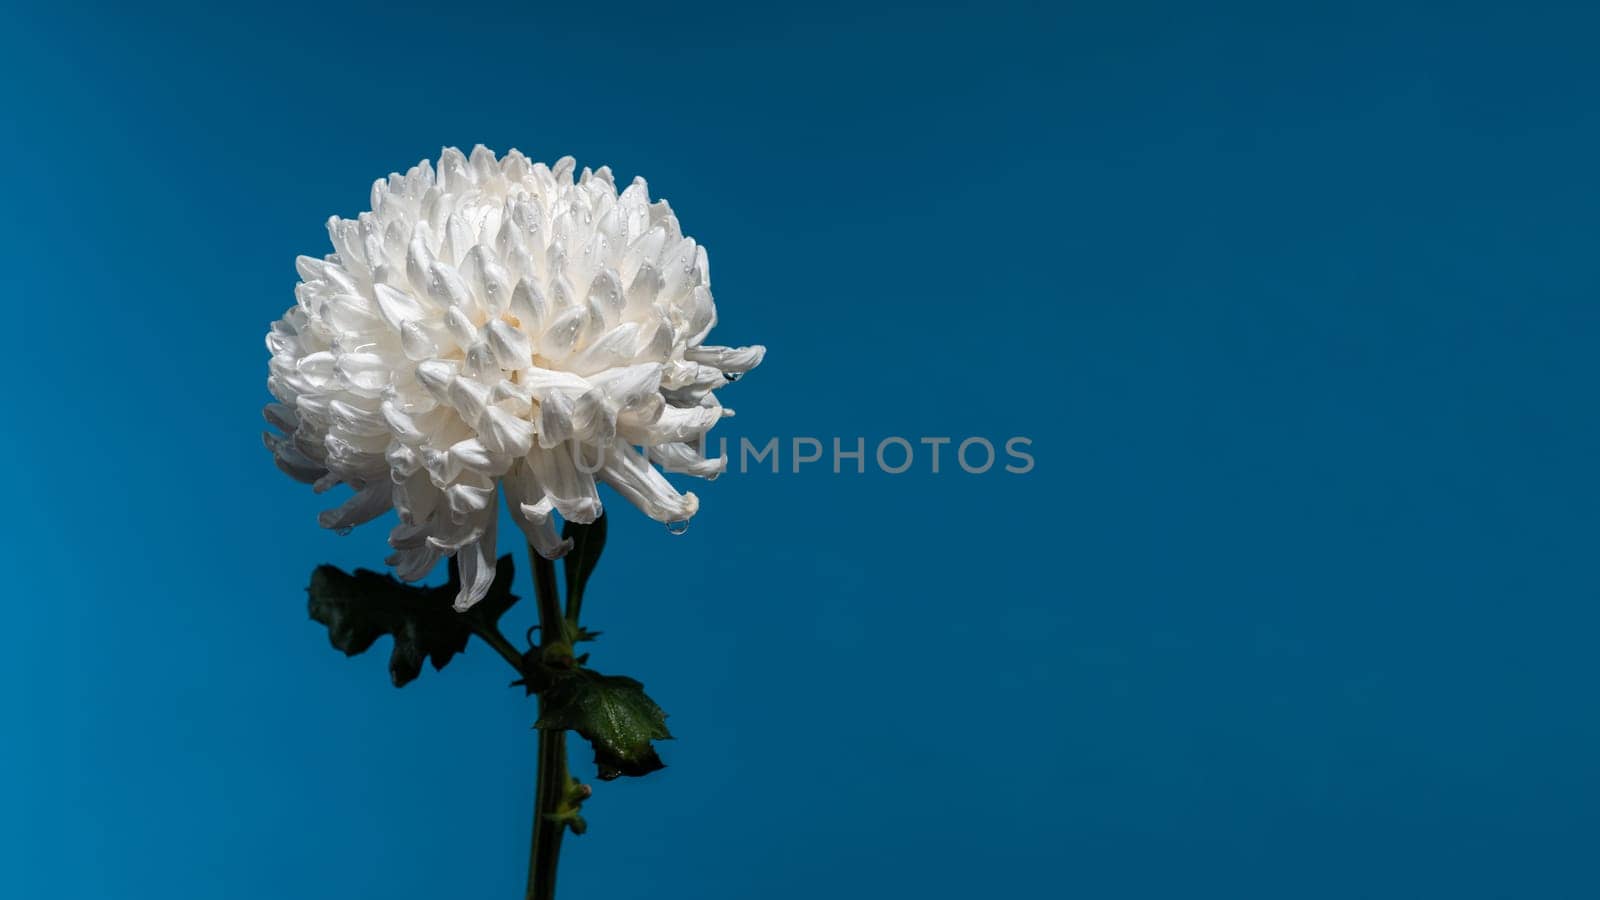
x=678 y=527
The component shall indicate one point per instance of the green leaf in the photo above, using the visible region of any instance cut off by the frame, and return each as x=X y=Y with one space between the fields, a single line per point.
x=613 y=714
x=359 y=608
x=587 y=542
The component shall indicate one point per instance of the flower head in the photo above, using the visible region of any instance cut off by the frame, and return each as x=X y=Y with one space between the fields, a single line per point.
x=498 y=324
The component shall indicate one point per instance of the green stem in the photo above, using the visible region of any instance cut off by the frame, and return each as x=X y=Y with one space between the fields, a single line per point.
x=551 y=628
x=501 y=645
x=547 y=833
x=552 y=778
x=588 y=541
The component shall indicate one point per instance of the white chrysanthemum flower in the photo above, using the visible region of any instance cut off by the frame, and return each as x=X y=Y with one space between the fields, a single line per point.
x=498 y=324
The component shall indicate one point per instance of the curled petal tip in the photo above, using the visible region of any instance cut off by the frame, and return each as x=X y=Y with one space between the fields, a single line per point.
x=558 y=551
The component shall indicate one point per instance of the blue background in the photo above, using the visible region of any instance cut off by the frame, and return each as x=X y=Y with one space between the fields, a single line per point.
x=1298 y=305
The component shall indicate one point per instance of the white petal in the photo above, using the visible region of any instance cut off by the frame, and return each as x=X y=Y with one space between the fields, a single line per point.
x=356 y=420
x=351 y=314
x=291 y=461
x=642 y=291
x=468 y=396
x=460 y=325
x=629 y=387
x=531 y=510
x=514 y=165
x=511 y=397
x=473 y=455
x=281 y=416
x=594 y=419
x=692 y=376
x=505 y=433
x=484 y=166
x=414 y=564
x=555 y=419
x=481 y=363
x=403 y=424
x=398 y=307
x=477 y=566
x=573 y=492
x=700 y=314
x=529 y=306
x=562 y=333
x=645 y=414
x=616 y=347
x=367 y=504
x=511 y=346
x=436 y=375
x=419 y=259
x=416 y=498
x=539 y=381
x=688 y=460
x=447 y=288
x=468 y=501
x=674 y=425
x=633 y=477
x=422 y=340
x=449 y=535
x=444 y=466
x=366 y=373
x=403 y=461
x=454 y=175
x=309 y=268
x=727 y=359
x=606 y=293
x=408 y=537
x=490 y=280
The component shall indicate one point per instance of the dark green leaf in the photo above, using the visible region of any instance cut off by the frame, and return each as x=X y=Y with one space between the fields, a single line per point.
x=587 y=542
x=613 y=714
x=362 y=607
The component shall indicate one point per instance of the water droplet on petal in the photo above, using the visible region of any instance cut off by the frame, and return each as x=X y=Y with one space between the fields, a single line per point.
x=678 y=527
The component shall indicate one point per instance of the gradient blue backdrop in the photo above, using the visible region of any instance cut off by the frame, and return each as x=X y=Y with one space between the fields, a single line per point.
x=1298 y=306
